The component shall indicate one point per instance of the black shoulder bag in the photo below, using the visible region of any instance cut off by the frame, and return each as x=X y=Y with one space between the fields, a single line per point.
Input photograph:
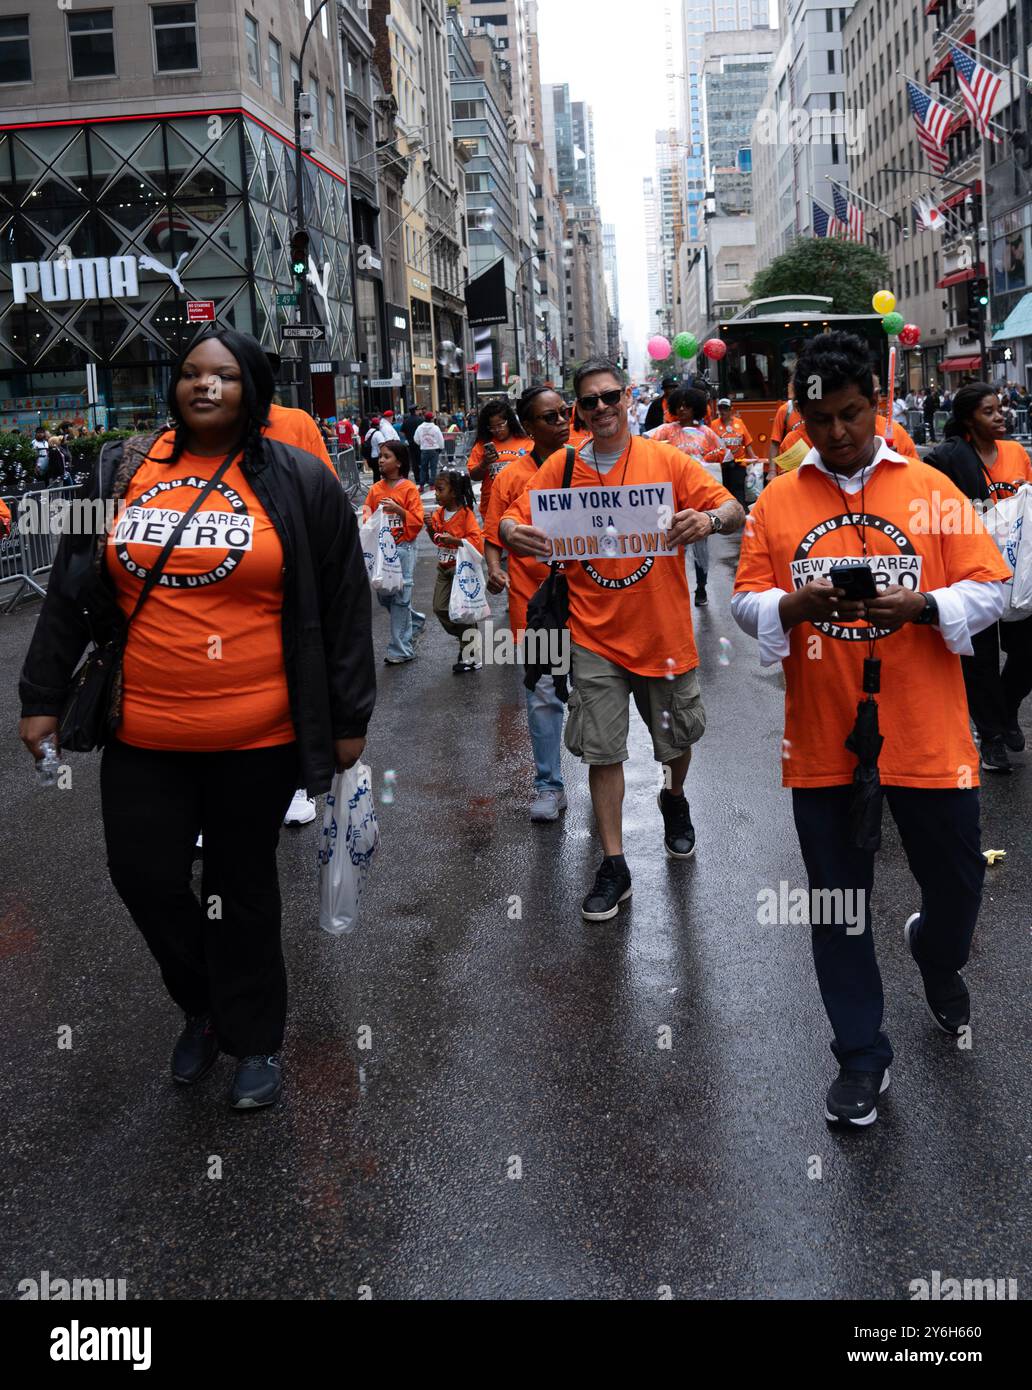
x=547 y=612
x=92 y=711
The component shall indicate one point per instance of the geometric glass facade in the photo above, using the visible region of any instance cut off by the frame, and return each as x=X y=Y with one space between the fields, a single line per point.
x=202 y=204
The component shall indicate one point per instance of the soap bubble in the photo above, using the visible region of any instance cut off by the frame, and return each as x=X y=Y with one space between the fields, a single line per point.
x=387 y=794
x=664 y=721
x=671 y=673
x=608 y=545
x=786 y=750
x=724 y=655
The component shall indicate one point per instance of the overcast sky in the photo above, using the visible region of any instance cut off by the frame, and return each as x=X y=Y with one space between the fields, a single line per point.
x=611 y=54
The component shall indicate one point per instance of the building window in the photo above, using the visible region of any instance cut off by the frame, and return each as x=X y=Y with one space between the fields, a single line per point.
x=295 y=79
x=175 y=38
x=276 y=68
x=422 y=333
x=313 y=87
x=331 y=118
x=15 y=62
x=254 y=50
x=91 y=43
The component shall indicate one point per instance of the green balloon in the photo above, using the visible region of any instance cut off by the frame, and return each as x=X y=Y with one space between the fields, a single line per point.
x=892 y=323
x=685 y=345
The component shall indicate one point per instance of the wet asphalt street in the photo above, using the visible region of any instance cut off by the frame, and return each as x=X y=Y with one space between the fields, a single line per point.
x=514 y=1130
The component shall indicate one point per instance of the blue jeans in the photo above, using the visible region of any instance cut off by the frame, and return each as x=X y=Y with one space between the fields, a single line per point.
x=405 y=625
x=428 y=461
x=941 y=840
x=700 y=554
x=545 y=713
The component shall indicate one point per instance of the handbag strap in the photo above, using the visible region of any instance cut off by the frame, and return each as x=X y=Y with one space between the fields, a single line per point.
x=571 y=458
x=156 y=570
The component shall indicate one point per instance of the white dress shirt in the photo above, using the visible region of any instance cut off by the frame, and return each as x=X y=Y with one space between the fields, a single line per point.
x=965 y=608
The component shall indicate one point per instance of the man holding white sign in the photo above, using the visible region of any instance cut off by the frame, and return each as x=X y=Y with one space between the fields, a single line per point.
x=620 y=530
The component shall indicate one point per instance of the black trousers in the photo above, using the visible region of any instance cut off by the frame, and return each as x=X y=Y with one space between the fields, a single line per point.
x=732 y=475
x=994 y=698
x=220 y=955
x=942 y=841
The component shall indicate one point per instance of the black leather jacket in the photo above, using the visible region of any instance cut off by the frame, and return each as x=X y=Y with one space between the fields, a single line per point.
x=327 y=607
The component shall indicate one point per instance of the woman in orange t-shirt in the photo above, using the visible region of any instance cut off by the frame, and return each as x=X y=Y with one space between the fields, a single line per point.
x=453 y=522
x=247 y=668
x=500 y=439
x=402 y=504
x=989 y=468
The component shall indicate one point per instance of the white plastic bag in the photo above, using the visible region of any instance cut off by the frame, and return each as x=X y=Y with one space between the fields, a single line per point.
x=468 y=602
x=380 y=552
x=350 y=836
x=1009 y=523
x=753 y=482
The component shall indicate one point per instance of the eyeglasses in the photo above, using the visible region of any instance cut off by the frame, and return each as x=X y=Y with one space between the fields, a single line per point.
x=553 y=417
x=590 y=403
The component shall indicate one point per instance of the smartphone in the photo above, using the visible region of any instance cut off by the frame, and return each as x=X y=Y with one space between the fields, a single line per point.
x=857 y=581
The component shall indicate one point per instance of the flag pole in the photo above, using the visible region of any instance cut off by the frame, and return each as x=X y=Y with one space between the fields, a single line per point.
x=861 y=199
x=982 y=57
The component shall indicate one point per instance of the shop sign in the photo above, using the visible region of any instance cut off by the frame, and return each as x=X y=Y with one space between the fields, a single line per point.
x=93 y=277
x=367 y=259
x=385 y=381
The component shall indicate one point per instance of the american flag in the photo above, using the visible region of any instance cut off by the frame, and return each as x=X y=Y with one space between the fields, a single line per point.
x=978 y=87
x=852 y=218
x=824 y=224
x=933 y=124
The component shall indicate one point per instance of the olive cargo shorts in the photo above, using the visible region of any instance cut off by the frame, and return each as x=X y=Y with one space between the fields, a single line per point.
x=599 y=711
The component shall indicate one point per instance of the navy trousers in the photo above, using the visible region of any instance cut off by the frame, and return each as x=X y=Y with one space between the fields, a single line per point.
x=942 y=841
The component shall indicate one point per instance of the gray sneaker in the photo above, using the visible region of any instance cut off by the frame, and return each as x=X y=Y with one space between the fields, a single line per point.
x=547 y=805
x=257 y=1082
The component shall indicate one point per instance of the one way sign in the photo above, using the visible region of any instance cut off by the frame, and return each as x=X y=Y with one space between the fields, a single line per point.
x=312 y=331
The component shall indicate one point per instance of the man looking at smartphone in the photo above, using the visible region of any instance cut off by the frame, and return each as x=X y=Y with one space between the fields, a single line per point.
x=851 y=503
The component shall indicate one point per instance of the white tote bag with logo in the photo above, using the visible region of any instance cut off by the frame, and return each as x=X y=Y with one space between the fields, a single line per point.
x=468 y=602
x=350 y=838
x=1009 y=523
x=380 y=552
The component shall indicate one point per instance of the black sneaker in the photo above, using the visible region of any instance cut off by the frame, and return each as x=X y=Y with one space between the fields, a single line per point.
x=463 y=668
x=612 y=887
x=948 y=1000
x=256 y=1082
x=994 y=755
x=678 y=831
x=1014 y=739
x=700 y=598
x=196 y=1051
x=853 y=1097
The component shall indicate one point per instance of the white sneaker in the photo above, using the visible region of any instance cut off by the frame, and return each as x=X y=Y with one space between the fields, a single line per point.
x=547 y=805
x=302 y=809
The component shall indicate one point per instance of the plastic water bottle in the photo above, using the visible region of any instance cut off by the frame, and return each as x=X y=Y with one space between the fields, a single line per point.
x=387 y=795
x=47 y=766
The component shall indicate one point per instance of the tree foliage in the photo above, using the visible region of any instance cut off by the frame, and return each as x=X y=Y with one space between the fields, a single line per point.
x=846 y=270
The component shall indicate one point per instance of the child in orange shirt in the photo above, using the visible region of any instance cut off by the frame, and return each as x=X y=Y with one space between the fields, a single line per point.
x=452 y=523
x=400 y=499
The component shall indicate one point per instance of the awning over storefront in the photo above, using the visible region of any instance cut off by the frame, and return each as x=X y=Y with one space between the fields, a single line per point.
x=955 y=198
x=962 y=364
x=1018 y=323
x=957 y=277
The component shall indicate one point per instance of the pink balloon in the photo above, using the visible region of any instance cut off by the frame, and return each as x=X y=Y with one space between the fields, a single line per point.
x=715 y=348
x=659 y=348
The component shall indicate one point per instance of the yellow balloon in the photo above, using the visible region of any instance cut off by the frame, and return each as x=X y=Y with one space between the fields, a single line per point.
x=884 y=302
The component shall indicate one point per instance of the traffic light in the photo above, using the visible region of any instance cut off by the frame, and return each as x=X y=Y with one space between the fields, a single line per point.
x=299 y=255
x=977 y=302
x=305 y=111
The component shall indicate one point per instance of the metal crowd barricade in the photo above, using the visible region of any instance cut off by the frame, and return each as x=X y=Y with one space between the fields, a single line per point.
x=1021 y=421
x=345 y=461
x=29 y=550
x=464 y=446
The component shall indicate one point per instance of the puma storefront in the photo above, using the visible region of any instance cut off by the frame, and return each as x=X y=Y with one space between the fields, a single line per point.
x=110 y=230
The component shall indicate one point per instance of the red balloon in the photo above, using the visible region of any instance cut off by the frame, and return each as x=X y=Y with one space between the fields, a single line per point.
x=909 y=334
x=715 y=349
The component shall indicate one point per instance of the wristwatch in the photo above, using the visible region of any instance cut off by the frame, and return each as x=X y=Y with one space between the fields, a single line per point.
x=930 y=612
x=715 y=522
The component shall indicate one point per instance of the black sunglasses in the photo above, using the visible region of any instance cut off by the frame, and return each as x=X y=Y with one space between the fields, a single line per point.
x=590 y=403
x=552 y=417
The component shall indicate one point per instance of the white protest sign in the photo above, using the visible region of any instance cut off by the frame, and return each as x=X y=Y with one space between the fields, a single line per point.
x=612 y=523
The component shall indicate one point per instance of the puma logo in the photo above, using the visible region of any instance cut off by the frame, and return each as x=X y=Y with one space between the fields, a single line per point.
x=149 y=263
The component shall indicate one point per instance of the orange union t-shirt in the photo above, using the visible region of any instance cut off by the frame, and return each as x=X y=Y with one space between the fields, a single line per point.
x=407 y=495
x=515 y=447
x=1011 y=469
x=795 y=530
x=203 y=669
x=525 y=575
x=635 y=612
x=297 y=427
x=463 y=525
x=901 y=441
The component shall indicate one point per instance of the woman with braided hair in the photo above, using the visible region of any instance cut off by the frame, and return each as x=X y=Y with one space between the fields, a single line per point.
x=247 y=671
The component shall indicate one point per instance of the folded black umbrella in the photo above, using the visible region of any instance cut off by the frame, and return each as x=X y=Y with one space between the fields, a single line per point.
x=865 y=806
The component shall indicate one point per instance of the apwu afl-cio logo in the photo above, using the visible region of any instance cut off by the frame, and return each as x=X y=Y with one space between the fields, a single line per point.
x=388 y=545
x=902 y=567
x=145 y=525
